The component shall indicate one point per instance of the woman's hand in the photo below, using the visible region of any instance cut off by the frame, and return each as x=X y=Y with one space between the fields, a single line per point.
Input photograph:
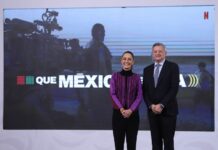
x=126 y=112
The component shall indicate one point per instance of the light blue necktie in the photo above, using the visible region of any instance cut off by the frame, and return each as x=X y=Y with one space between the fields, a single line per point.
x=156 y=74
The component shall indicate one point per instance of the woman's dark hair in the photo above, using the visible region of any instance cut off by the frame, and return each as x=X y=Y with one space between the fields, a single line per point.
x=129 y=52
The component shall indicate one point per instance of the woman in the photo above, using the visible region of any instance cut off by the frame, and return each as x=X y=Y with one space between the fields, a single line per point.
x=126 y=93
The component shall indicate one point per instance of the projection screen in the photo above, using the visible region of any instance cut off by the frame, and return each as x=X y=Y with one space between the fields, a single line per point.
x=57 y=77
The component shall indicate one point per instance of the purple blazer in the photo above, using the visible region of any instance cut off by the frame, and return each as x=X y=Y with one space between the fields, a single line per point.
x=126 y=91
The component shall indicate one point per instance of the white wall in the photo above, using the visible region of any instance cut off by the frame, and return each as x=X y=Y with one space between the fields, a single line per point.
x=96 y=140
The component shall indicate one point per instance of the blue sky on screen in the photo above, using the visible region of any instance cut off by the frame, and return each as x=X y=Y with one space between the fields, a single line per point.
x=183 y=24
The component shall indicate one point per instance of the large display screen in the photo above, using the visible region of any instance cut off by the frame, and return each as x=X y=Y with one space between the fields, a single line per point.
x=58 y=63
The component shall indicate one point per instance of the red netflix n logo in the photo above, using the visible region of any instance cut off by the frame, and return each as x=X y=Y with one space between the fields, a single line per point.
x=206 y=15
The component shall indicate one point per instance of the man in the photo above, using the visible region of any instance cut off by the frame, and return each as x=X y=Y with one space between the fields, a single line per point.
x=160 y=87
x=98 y=62
x=98 y=55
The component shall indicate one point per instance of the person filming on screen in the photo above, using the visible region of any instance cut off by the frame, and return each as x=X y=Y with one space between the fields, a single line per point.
x=160 y=87
x=126 y=93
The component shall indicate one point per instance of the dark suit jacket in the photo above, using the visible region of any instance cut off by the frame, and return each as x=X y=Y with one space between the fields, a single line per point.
x=166 y=90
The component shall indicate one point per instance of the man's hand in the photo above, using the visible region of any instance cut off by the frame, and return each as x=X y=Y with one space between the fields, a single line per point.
x=157 y=109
